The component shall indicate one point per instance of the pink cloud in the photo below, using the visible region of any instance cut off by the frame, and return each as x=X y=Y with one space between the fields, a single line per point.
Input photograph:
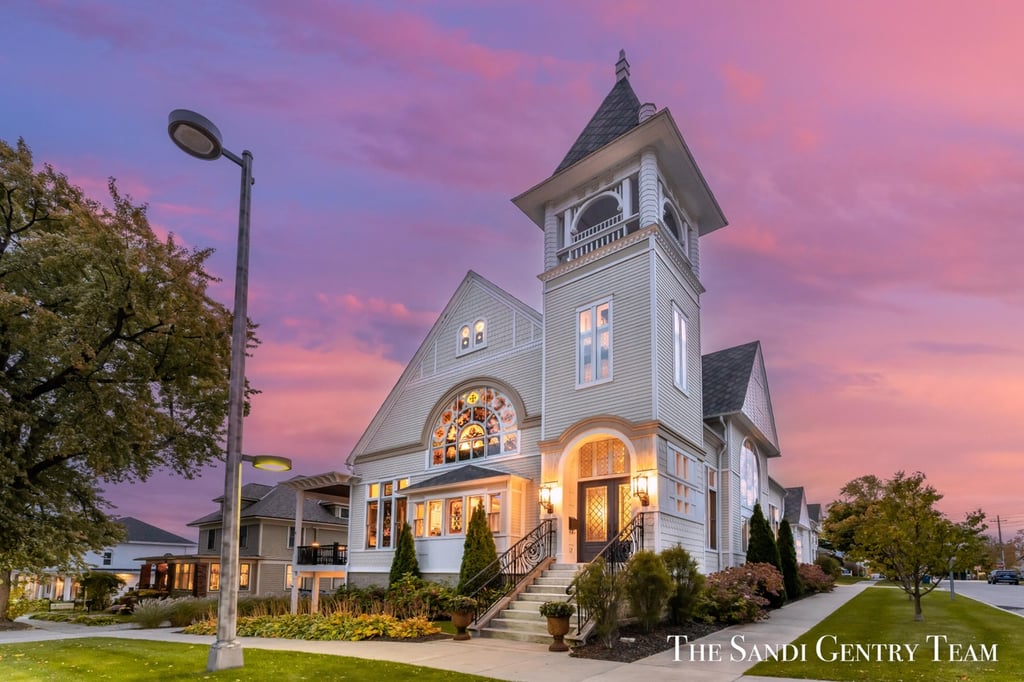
x=742 y=84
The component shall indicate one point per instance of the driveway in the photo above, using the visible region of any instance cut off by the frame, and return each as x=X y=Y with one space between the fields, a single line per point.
x=1008 y=597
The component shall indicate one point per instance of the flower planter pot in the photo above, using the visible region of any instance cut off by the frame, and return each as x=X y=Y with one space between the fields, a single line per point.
x=558 y=627
x=461 y=620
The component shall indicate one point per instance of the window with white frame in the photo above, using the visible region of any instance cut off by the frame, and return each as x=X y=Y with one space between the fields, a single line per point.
x=712 y=509
x=108 y=558
x=451 y=515
x=385 y=512
x=480 y=422
x=594 y=343
x=472 y=337
x=750 y=480
x=686 y=475
x=679 y=337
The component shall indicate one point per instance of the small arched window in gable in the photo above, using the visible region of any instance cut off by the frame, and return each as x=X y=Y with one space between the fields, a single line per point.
x=472 y=337
x=480 y=422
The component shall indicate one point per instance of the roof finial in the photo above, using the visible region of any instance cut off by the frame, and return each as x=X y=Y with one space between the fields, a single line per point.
x=621 y=67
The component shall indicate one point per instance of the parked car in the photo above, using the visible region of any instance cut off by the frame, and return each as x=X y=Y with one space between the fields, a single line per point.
x=1004 y=576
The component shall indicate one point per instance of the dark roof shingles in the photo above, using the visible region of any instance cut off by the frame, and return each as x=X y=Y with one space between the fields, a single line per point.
x=140 y=531
x=726 y=375
x=464 y=474
x=277 y=503
x=618 y=114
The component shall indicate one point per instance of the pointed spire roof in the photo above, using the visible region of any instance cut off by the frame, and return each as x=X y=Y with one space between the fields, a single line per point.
x=618 y=114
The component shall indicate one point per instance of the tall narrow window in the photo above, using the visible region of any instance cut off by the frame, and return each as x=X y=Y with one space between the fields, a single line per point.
x=712 y=510
x=750 y=484
x=679 y=335
x=594 y=343
x=243 y=576
x=371 y=524
x=211 y=539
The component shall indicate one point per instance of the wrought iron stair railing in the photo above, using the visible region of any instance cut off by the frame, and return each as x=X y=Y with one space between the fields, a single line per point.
x=615 y=555
x=504 y=574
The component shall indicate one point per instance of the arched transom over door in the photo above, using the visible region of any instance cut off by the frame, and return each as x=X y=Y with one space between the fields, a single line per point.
x=604 y=494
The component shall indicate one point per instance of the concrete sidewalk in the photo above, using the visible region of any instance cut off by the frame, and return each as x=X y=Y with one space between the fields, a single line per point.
x=517 y=660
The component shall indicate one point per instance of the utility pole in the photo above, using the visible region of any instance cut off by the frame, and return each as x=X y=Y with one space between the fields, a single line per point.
x=1001 y=563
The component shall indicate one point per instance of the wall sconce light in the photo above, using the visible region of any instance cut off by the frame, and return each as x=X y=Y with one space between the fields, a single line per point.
x=545 y=499
x=640 y=489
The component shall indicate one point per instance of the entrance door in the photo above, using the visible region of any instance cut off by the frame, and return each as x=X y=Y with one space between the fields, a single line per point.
x=604 y=506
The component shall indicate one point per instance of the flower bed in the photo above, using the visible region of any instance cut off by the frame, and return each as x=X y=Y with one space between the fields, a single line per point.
x=335 y=626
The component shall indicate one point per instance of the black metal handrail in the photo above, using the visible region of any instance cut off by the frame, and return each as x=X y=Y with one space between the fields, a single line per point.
x=328 y=555
x=615 y=555
x=502 y=575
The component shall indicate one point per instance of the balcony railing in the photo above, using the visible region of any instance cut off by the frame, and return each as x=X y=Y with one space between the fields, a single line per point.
x=328 y=555
x=599 y=235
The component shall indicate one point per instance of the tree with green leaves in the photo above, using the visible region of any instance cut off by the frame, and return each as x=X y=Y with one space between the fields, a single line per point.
x=905 y=537
x=845 y=514
x=98 y=587
x=479 y=553
x=114 y=362
x=790 y=565
x=761 y=547
x=404 y=562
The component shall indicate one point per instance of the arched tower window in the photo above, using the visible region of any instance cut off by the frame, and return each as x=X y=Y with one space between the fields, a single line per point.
x=750 y=482
x=603 y=209
x=480 y=422
x=677 y=225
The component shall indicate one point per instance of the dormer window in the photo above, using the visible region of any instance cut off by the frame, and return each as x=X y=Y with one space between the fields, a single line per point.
x=472 y=337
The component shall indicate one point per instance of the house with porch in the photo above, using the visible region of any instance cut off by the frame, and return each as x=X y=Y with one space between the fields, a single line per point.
x=283 y=530
x=120 y=559
x=597 y=421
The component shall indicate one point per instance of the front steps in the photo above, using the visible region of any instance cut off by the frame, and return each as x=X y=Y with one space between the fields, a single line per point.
x=521 y=620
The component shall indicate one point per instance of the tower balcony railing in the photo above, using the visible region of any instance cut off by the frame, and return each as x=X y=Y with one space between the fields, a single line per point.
x=599 y=235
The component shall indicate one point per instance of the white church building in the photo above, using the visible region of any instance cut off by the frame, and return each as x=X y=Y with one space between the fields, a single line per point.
x=603 y=409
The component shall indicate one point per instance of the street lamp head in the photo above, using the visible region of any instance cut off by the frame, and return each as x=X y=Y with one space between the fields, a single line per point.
x=268 y=462
x=194 y=134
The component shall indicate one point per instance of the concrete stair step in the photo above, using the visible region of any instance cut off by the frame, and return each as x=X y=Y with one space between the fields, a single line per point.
x=539 y=627
x=515 y=636
x=522 y=615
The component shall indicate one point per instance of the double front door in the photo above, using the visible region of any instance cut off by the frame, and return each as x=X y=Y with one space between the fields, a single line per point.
x=604 y=508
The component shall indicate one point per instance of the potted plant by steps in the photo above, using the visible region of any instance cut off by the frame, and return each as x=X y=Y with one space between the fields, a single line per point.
x=461 y=610
x=558 y=614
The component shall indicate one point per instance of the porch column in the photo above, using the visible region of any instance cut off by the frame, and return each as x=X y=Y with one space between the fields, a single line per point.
x=300 y=501
x=314 y=607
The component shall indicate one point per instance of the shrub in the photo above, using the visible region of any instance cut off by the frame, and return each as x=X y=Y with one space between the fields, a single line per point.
x=337 y=626
x=735 y=594
x=411 y=597
x=687 y=581
x=600 y=593
x=99 y=587
x=557 y=609
x=647 y=586
x=182 y=612
x=405 y=562
x=790 y=569
x=830 y=565
x=815 y=579
x=371 y=599
x=479 y=554
x=19 y=606
x=460 y=603
x=151 y=613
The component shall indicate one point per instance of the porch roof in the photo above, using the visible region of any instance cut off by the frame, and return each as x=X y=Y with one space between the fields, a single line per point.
x=469 y=473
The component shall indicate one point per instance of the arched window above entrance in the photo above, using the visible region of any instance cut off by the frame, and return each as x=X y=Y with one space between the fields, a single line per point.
x=607 y=457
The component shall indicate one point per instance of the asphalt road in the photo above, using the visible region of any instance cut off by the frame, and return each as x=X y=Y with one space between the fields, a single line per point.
x=1009 y=597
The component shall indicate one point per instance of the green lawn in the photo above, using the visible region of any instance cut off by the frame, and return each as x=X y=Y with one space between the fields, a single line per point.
x=99 y=658
x=883 y=615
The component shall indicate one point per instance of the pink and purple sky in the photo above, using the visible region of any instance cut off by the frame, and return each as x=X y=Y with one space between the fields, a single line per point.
x=869 y=158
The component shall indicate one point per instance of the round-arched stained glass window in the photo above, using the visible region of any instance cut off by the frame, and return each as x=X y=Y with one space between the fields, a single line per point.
x=480 y=422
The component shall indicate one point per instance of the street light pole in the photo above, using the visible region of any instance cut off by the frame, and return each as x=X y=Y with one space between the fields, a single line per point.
x=197 y=136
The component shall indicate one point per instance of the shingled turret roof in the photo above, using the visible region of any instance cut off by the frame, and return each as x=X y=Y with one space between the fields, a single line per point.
x=618 y=114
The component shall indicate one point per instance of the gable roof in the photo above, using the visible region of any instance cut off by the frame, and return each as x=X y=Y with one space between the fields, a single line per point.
x=814 y=512
x=278 y=502
x=726 y=376
x=463 y=474
x=794 y=502
x=618 y=114
x=471 y=281
x=140 y=531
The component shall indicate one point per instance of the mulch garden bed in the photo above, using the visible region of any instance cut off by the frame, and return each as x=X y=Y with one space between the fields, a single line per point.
x=634 y=644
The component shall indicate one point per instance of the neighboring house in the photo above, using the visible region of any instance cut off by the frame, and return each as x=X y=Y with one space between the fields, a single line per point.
x=805 y=530
x=140 y=538
x=599 y=408
x=268 y=545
